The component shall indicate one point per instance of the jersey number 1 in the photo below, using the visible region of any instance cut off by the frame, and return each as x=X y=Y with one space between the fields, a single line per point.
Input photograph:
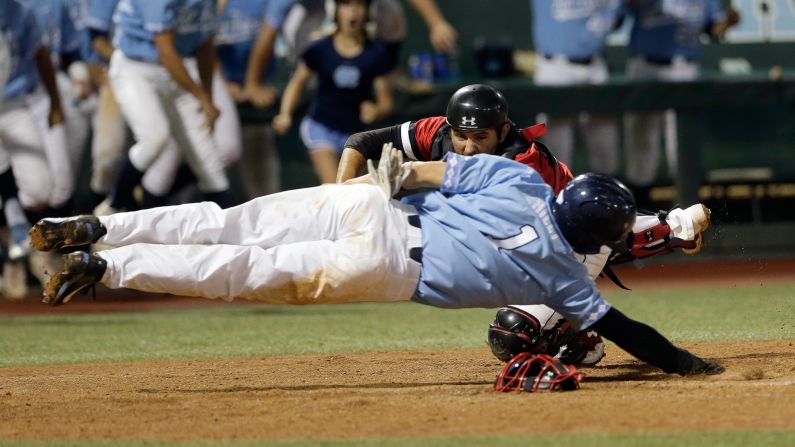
x=526 y=235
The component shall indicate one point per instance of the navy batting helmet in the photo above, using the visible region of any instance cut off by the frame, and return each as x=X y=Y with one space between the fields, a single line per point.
x=595 y=210
x=476 y=107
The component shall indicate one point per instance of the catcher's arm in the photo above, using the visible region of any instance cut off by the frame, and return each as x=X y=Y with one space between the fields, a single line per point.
x=411 y=175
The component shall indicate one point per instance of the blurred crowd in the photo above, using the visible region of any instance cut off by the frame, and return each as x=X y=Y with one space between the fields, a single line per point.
x=152 y=87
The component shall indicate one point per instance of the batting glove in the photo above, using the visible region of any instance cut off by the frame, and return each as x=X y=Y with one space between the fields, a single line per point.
x=391 y=171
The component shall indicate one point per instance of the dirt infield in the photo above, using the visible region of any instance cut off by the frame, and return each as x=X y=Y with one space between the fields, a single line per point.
x=404 y=394
x=399 y=394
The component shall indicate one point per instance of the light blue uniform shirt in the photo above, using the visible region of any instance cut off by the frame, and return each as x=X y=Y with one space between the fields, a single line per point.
x=664 y=29
x=489 y=240
x=137 y=21
x=574 y=28
x=238 y=28
x=100 y=14
x=56 y=21
x=279 y=9
x=78 y=10
x=19 y=25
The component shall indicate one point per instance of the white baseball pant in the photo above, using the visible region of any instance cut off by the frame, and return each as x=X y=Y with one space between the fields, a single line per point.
x=328 y=244
x=157 y=109
x=599 y=133
x=59 y=165
x=159 y=178
x=5 y=64
x=22 y=149
x=109 y=143
x=645 y=130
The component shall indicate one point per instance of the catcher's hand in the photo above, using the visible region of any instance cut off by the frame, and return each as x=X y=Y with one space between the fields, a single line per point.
x=391 y=172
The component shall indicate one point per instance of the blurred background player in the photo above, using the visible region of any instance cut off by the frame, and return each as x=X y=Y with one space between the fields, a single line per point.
x=5 y=64
x=665 y=45
x=246 y=35
x=109 y=138
x=570 y=39
x=110 y=132
x=156 y=40
x=23 y=160
x=61 y=25
x=349 y=66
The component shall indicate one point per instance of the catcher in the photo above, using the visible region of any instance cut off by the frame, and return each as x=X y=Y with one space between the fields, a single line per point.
x=511 y=237
x=477 y=123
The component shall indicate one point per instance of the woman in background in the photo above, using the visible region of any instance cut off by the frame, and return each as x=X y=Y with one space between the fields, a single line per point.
x=349 y=68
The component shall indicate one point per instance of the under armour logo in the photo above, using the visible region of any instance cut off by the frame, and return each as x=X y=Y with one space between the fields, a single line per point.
x=468 y=121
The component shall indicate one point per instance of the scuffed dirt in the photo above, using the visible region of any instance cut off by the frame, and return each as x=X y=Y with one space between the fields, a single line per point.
x=399 y=394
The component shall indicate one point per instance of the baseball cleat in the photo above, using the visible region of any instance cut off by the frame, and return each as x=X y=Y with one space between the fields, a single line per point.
x=80 y=272
x=56 y=233
x=19 y=247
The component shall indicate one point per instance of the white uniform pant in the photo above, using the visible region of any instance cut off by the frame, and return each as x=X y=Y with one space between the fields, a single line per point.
x=5 y=64
x=599 y=133
x=328 y=244
x=157 y=109
x=22 y=148
x=159 y=178
x=109 y=143
x=644 y=131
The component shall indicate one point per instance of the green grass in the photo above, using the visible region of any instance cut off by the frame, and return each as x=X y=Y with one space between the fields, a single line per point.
x=687 y=439
x=727 y=313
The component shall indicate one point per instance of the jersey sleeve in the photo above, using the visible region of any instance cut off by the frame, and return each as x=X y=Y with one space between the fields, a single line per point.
x=100 y=15
x=464 y=174
x=277 y=11
x=159 y=15
x=555 y=174
x=417 y=137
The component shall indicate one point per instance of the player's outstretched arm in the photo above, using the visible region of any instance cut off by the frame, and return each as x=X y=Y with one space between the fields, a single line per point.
x=648 y=345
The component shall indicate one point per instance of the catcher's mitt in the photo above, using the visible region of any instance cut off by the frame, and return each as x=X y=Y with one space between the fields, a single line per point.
x=537 y=373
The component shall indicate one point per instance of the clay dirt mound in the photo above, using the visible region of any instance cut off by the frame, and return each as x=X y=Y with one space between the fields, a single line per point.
x=396 y=394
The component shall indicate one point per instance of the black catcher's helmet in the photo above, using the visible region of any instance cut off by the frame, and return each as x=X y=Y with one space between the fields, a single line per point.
x=514 y=332
x=476 y=107
x=595 y=210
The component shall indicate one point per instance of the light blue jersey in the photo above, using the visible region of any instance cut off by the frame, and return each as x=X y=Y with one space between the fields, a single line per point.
x=238 y=28
x=100 y=14
x=574 y=28
x=78 y=10
x=19 y=25
x=59 y=31
x=279 y=9
x=489 y=240
x=137 y=21
x=664 y=29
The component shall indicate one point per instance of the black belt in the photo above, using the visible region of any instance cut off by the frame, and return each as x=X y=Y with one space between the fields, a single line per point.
x=587 y=60
x=663 y=61
x=415 y=253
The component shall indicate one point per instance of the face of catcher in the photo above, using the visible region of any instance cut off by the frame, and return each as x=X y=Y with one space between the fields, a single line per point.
x=481 y=141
